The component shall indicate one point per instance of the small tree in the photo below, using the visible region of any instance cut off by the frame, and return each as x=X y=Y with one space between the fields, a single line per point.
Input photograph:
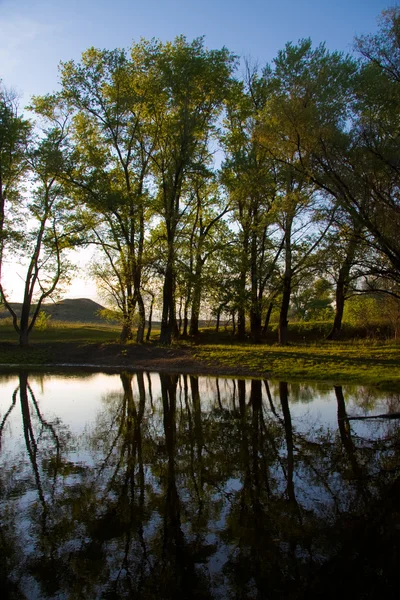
x=47 y=228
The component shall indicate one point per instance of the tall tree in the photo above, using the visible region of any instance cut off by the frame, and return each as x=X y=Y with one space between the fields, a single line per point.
x=142 y=126
x=343 y=247
x=340 y=118
x=307 y=91
x=14 y=135
x=376 y=132
x=248 y=174
x=194 y=86
x=201 y=242
x=109 y=164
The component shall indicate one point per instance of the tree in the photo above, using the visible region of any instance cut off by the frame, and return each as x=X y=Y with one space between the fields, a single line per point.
x=312 y=299
x=248 y=174
x=383 y=48
x=48 y=228
x=306 y=95
x=109 y=163
x=341 y=121
x=344 y=244
x=201 y=242
x=376 y=130
x=194 y=83
x=141 y=127
x=14 y=135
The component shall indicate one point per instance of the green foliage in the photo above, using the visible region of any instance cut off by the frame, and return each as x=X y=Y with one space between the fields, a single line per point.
x=115 y=316
x=15 y=132
x=363 y=309
x=313 y=302
x=14 y=137
x=42 y=321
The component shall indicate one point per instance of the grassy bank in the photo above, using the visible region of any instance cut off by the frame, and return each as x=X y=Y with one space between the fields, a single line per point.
x=64 y=332
x=372 y=363
x=365 y=362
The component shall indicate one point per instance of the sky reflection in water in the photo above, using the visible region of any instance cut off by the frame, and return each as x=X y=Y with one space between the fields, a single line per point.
x=167 y=486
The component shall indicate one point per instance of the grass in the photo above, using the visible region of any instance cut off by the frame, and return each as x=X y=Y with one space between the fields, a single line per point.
x=372 y=363
x=363 y=361
x=60 y=333
x=65 y=332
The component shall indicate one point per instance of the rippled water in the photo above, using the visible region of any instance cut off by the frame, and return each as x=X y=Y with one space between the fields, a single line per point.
x=167 y=486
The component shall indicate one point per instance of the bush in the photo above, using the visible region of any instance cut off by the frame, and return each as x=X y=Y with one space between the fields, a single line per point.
x=308 y=331
x=42 y=321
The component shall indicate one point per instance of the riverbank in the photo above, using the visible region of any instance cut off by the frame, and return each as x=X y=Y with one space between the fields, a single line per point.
x=376 y=364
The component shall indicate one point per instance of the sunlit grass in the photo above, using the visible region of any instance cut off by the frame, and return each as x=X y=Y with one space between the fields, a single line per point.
x=376 y=363
x=61 y=331
x=363 y=361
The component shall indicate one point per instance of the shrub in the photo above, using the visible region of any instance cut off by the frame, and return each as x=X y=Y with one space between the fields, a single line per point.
x=42 y=321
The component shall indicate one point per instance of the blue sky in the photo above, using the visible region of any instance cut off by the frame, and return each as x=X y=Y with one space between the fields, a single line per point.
x=35 y=35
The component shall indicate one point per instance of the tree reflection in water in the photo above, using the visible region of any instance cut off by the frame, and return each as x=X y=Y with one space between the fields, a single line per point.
x=204 y=489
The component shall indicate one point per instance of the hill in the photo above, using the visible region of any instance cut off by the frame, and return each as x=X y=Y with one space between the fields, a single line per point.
x=81 y=310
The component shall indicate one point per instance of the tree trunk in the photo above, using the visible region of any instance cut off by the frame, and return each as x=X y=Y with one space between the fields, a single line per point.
x=218 y=319
x=340 y=300
x=342 y=285
x=267 y=318
x=180 y=315
x=168 y=320
x=150 y=319
x=185 y=320
x=194 y=317
x=255 y=324
x=194 y=322
x=256 y=298
x=127 y=327
x=24 y=338
x=233 y=322
x=283 y=316
x=24 y=323
x=287 y=283
x=241 y=324
x=126 y=334
x=142 y=319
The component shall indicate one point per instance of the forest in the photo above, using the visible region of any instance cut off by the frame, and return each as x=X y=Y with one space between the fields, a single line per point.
x=210 y=185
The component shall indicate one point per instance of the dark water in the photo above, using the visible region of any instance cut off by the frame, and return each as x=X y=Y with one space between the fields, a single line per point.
x=158 y=486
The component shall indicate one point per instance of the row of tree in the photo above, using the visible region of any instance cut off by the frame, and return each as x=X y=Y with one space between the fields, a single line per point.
x=307 y=188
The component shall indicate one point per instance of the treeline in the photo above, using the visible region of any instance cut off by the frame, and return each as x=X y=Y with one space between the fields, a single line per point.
x=277 y=191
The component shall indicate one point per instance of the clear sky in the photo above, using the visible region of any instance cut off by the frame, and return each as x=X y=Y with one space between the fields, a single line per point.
x=35 y=35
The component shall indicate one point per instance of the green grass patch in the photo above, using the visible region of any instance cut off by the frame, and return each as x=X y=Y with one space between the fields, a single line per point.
x=65 y=332
x=372 y=363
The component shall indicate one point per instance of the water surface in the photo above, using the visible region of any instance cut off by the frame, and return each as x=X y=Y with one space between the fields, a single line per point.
x=166 y=486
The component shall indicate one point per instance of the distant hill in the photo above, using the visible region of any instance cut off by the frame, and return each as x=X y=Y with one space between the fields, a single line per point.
x=75 y=310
